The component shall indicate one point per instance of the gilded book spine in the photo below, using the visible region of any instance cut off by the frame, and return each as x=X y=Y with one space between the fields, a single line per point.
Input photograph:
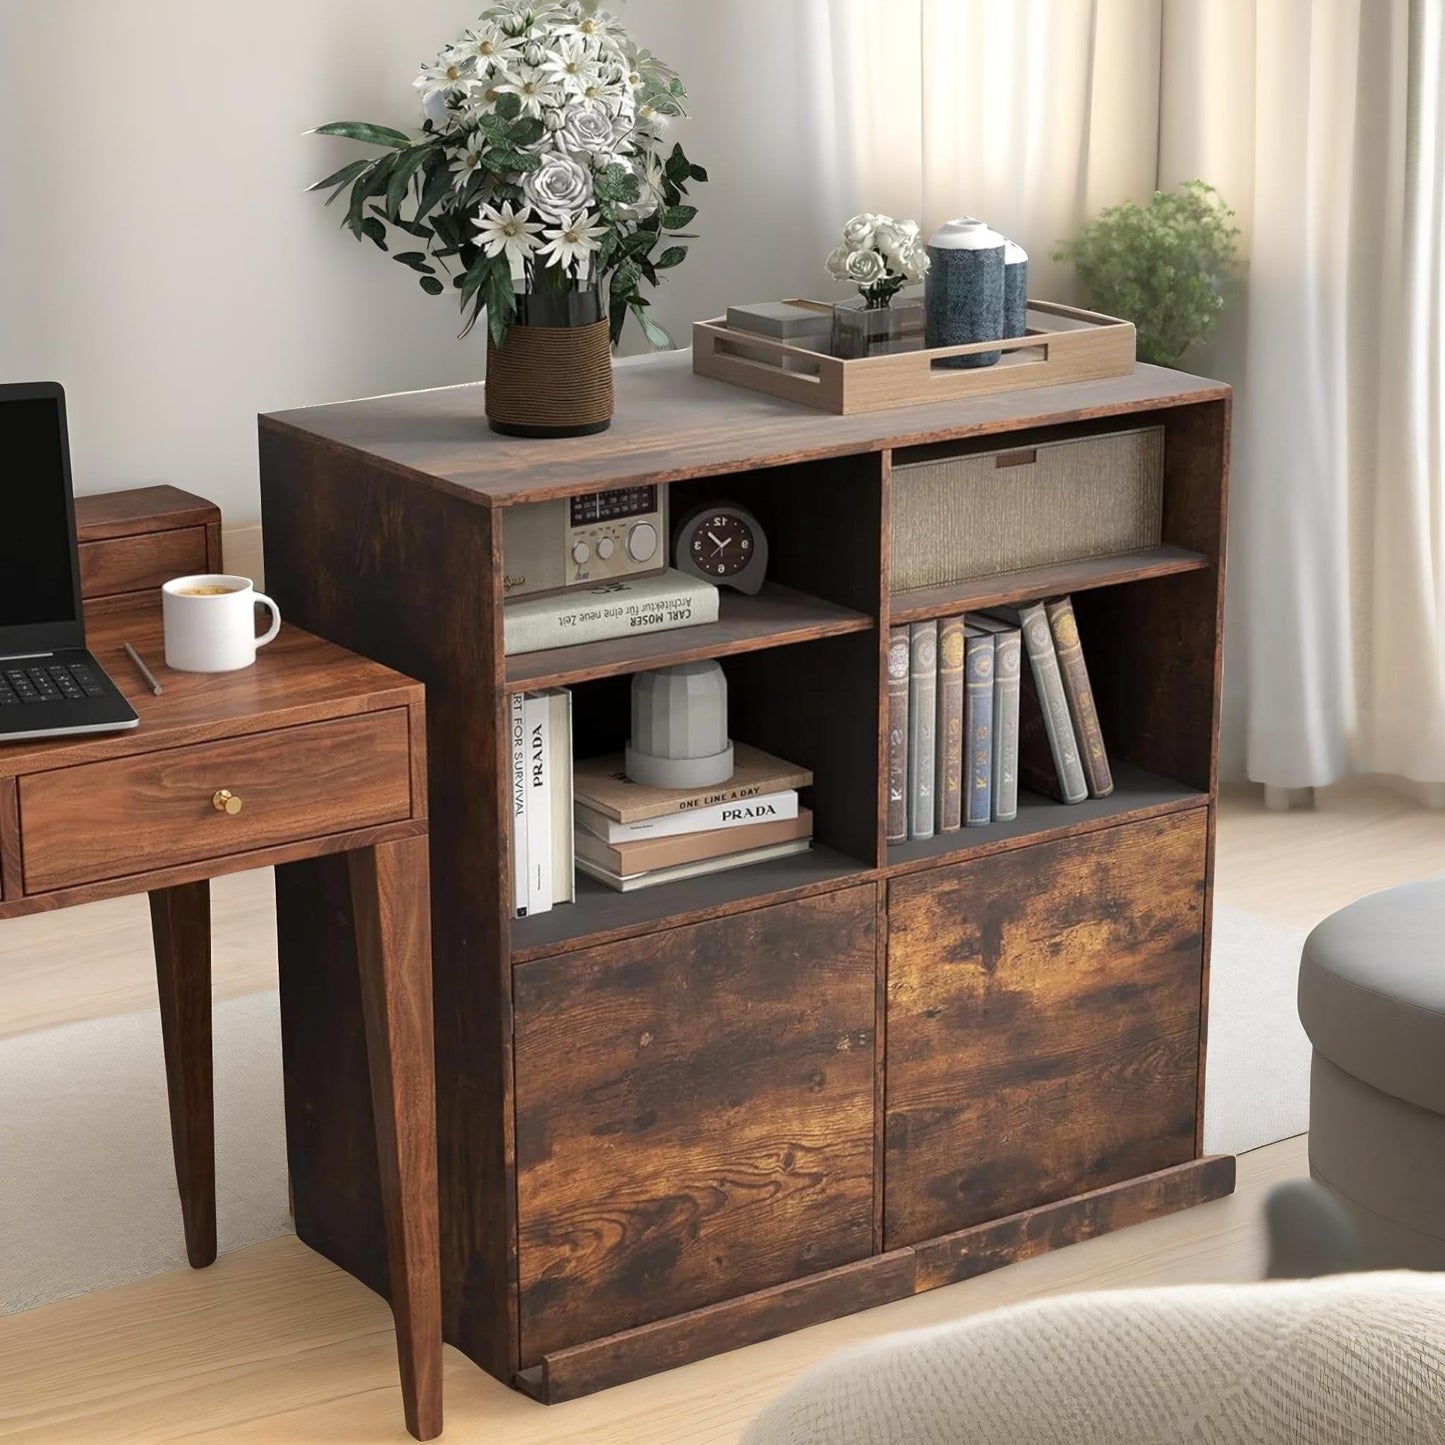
x=978 y=724
x=1075 y=674
x=922 y=701
x=898 y=735
x=1053 y=705
x=1007 y=663
x=949 y=765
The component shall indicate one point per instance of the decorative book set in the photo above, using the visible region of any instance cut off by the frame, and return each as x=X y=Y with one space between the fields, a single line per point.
x=676 y=1119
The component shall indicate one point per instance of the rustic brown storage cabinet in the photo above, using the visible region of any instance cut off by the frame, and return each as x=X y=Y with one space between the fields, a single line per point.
x=675 y=1121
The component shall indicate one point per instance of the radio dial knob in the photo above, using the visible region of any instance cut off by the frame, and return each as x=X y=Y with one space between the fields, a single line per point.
x=642 y=542
x=580 y=553
x=605 y=548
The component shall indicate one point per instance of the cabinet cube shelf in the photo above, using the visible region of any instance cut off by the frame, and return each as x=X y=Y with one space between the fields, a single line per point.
x=790 y=1021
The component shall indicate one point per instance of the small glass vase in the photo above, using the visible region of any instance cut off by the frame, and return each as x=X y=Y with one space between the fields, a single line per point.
x=552 y=377
x=866 y=326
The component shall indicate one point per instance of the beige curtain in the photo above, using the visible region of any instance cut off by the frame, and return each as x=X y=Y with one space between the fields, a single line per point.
x=1320 y=121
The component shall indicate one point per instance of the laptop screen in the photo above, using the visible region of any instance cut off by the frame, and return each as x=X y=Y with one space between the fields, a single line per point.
x=37 y=550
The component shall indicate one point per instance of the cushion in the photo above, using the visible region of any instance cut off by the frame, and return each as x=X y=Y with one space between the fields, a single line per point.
x=1372 y=991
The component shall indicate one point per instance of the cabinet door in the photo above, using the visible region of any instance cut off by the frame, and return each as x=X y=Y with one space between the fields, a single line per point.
x=1043 y=1023
x=694 y=1115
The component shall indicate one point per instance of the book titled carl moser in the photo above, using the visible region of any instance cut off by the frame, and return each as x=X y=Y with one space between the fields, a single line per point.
x=614 y=609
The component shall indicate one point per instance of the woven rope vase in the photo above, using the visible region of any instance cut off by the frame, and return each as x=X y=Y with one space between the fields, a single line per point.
x=550 y=381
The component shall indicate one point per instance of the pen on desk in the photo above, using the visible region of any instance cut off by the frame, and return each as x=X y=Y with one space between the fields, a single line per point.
x=144 y=671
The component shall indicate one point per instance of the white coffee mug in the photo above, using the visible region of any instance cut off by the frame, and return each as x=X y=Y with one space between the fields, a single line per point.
x=210 y=622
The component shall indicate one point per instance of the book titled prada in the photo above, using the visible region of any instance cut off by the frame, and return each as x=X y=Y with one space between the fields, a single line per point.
x=949 y=768
x=1077 y=690
x=897 y=831
x=978 y=725
x=922 y=692
x=616 y=609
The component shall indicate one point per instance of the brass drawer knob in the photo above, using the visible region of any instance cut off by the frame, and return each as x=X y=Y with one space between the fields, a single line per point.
x=225 y=801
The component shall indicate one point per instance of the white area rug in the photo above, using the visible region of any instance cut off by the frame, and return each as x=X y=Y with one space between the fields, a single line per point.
x=1257 y=1076
x=87 y=1188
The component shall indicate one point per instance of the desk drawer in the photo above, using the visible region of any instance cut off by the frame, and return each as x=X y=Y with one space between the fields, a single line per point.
x=136 y=564
x=134 y=815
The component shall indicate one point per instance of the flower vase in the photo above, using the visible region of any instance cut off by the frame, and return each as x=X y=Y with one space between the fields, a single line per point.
x=552 y=376
x=864 y=326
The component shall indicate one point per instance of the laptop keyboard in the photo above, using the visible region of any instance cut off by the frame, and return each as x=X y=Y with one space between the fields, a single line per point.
x=54 y=683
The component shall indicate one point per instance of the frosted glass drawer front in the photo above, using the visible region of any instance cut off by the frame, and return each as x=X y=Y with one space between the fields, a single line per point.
x=957 y=518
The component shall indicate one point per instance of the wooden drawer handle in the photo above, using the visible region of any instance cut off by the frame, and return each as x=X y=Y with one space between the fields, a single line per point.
x=225 y=801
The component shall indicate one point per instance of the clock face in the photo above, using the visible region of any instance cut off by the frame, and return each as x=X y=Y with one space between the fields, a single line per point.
x=721 y=544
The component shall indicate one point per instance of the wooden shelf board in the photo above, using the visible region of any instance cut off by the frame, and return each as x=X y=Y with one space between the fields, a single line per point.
x=1137 y=794
x=777 y=616
x=1050 y=581
x=601 y=915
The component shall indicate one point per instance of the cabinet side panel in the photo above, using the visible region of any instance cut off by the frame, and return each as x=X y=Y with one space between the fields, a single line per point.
x=1043 y=1023
x=383 y=564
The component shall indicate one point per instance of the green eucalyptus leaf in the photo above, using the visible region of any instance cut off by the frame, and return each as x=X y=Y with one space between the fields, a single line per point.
x=438 y=185
x=677 y=216
x=501 y=299
x=403 y=169
x=657 y=336
x=432 y=286
x=625 y=279
x=475 y=275
x=677 y=166
x=670 y=257
x=374 y=229
x=341 y=179
x=417 y=260
x=376 y=135
x=697 y=173
x=640 y=243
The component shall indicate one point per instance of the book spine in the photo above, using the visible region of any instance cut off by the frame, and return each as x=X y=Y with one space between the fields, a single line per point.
x=517 y=725
x=564 y=869
x=767 y=808
x=1075 y=673
x=1007 y=661
x=949 y=766
x=978 y=721
x=539 y=805
x=922 y=691
x=898 y=651
x=533 y=623
x=1049 y=686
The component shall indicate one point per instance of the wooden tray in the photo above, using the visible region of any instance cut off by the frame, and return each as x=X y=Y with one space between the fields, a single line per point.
x=1063 y=343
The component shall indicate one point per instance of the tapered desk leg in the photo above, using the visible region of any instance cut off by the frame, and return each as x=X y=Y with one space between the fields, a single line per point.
x=390 y=901
x=181 y=931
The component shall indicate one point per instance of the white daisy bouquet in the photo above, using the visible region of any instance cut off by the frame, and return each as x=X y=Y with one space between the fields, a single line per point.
x=879 y=256
x=539 y=168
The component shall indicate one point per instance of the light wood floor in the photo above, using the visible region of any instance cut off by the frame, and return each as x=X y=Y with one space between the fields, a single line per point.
x=272 y=1344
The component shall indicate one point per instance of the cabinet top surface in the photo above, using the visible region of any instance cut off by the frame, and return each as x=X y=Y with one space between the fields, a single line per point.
x=669 y=424
x=298 y=678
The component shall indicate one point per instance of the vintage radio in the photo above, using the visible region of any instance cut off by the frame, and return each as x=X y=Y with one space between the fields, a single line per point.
x=581 y=541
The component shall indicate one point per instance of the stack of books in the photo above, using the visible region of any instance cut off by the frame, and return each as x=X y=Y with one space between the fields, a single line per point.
x=540 y=729
x=967 y=721
x=630 y=836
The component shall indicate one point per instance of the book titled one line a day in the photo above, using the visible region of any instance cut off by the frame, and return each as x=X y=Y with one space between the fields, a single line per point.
x=602 y=785
x=628 y=607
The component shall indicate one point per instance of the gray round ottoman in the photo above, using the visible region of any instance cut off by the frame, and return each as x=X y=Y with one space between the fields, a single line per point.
x=1372 y=1000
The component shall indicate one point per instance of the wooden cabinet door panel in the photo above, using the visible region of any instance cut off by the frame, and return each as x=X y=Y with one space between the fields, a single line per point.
x=1043 y=1023
x=694 y=1115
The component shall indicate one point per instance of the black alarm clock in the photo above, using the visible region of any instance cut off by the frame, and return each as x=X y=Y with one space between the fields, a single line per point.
x=723 y=543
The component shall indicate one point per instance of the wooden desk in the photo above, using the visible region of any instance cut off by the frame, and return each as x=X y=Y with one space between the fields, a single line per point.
x=327 y=754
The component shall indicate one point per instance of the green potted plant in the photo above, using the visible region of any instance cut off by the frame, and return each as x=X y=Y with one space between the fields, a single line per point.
x=540 y=184
x=1163 y=266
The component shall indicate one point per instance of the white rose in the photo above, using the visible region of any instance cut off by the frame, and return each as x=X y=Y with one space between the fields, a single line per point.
x=560 y=186
x=912 y=262
x=889 y=237
x=837 y=263
x=858 y=233
x=434 y=107
x=588 y=129
x=865 y=267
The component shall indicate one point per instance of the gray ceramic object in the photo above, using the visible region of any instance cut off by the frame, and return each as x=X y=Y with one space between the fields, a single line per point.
x=680 y=727
x=963 y=292
x=1015 y=289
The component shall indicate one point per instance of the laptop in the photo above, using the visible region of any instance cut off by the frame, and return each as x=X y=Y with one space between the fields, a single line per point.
x=49 y=684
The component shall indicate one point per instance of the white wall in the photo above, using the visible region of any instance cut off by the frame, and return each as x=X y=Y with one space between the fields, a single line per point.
x=158 y=254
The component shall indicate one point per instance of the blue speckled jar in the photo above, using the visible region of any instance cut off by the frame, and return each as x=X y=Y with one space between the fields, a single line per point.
x=963 y=292
x=1015 y=290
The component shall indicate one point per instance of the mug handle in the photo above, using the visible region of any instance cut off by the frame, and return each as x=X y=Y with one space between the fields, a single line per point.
x=270 y=634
